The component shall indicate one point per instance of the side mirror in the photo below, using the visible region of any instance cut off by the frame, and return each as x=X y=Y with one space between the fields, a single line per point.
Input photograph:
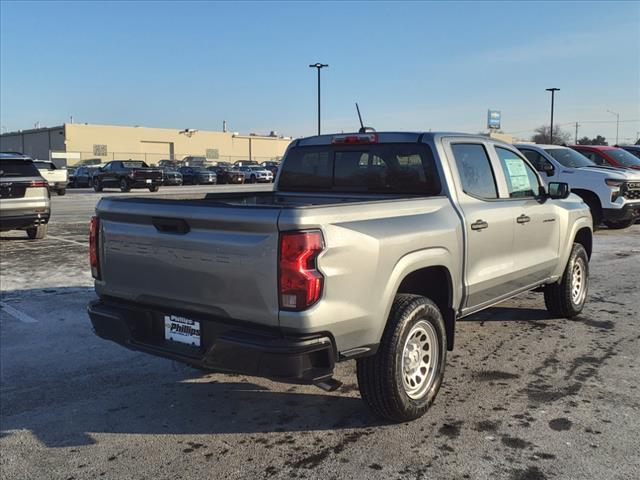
x=559 y=190
x=548 y=169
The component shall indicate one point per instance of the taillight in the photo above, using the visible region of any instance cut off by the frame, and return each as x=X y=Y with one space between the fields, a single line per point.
x=38 y=183
x=300 y=282
x=355 y=139
x=94 y=228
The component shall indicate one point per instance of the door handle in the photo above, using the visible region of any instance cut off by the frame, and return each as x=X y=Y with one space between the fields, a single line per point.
x=523 y=219
x=479 y=225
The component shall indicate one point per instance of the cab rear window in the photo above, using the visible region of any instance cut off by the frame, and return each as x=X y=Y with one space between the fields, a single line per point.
x=18 y=168
x=398 y=168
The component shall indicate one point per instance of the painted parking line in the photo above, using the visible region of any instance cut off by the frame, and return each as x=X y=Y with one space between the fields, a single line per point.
x=17 y=314
x=61 y=239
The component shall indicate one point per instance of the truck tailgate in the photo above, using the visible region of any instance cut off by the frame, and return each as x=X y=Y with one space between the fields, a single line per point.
x=190 y=256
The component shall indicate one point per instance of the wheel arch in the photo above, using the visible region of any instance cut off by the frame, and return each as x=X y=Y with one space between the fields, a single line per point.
x=584 y=237
x=430 y=272
x=588 y=194
x=435 y=283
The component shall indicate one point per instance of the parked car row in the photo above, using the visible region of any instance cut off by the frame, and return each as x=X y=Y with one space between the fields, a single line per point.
x=128 y=174
x=596 y=174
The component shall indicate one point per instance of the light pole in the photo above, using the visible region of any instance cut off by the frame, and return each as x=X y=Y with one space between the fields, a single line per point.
x=617 y=123
x=319 y=66
x=553 y=92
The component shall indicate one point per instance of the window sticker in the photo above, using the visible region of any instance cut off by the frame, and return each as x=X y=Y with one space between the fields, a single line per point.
x=517 y=174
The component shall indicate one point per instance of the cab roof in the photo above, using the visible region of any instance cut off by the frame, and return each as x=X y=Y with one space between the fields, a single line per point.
x=389 y=137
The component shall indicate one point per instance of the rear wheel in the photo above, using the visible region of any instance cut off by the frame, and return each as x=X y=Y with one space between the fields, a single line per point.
x=567 y=298
x=618 y=224
x=37 y=233
x=124 y=185
x=401 y=381
x=97 y=185
x=62 y=191
x=253 y=179
x=154 y=188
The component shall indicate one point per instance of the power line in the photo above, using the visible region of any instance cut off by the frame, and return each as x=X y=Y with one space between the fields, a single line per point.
x=573 y=123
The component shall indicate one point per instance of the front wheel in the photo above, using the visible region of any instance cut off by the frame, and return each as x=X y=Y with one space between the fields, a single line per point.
x=154 y=188
x=124 y=185
x=253 y=179
x=567 y=297
x=97 y=185
x=401 y=381
x=37 y=233
x=619 y=224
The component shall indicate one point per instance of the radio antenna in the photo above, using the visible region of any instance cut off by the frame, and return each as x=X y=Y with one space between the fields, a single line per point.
x=359 y=117
x=363 y=129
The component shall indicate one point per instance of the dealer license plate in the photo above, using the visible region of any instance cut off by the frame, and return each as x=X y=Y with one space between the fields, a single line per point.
x=181 y=329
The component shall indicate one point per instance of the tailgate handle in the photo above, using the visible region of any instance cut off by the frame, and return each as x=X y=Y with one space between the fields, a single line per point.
x=170 y=225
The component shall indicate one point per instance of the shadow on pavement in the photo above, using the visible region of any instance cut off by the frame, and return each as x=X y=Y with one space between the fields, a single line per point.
x=78 y=385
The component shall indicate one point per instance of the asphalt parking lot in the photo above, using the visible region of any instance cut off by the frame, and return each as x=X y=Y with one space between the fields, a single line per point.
x=525 y=396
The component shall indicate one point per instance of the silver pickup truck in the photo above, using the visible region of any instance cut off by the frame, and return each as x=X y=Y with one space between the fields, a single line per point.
x=370 y=247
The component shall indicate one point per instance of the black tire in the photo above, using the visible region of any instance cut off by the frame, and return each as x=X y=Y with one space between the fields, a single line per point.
x=154 y=188
x=62 y=191
x=124 y=185
x=380 y=377
x=37 y=233
x=619 y=224
x=97 y=185
x=253 y=179
x=558 y=297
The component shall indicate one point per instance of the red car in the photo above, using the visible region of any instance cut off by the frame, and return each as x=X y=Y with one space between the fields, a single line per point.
x=608 y=156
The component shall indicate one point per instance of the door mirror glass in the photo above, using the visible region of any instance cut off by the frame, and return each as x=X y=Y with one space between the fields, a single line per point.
x=559 y=190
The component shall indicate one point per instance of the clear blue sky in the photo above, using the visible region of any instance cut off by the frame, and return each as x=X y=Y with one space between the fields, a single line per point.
x=411 y=66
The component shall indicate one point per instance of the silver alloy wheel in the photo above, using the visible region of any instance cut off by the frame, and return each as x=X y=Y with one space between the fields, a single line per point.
x=419 y=360
x=578 y=282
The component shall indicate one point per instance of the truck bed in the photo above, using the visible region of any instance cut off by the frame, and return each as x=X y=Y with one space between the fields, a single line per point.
x=216 y=254
x=263 y=199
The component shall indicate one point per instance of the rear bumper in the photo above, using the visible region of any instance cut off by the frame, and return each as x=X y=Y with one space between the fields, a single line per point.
x=57 y=185
x=629 y=211
x=17 y=222
x=225 y=347
x=206 y=181
x=143 y=183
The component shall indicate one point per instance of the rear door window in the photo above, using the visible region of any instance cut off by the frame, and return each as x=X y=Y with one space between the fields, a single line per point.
x=475 y=170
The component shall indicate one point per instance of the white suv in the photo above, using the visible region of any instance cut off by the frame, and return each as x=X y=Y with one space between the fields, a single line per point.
x=24 y=196
x=613 y=194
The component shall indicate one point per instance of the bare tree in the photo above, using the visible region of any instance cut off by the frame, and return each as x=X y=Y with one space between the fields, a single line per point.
x=560 y=137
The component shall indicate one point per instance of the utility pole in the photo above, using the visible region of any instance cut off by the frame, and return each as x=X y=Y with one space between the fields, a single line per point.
x=553 y=92
x=617 y=123
x=319 y=66
x=576 y=141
